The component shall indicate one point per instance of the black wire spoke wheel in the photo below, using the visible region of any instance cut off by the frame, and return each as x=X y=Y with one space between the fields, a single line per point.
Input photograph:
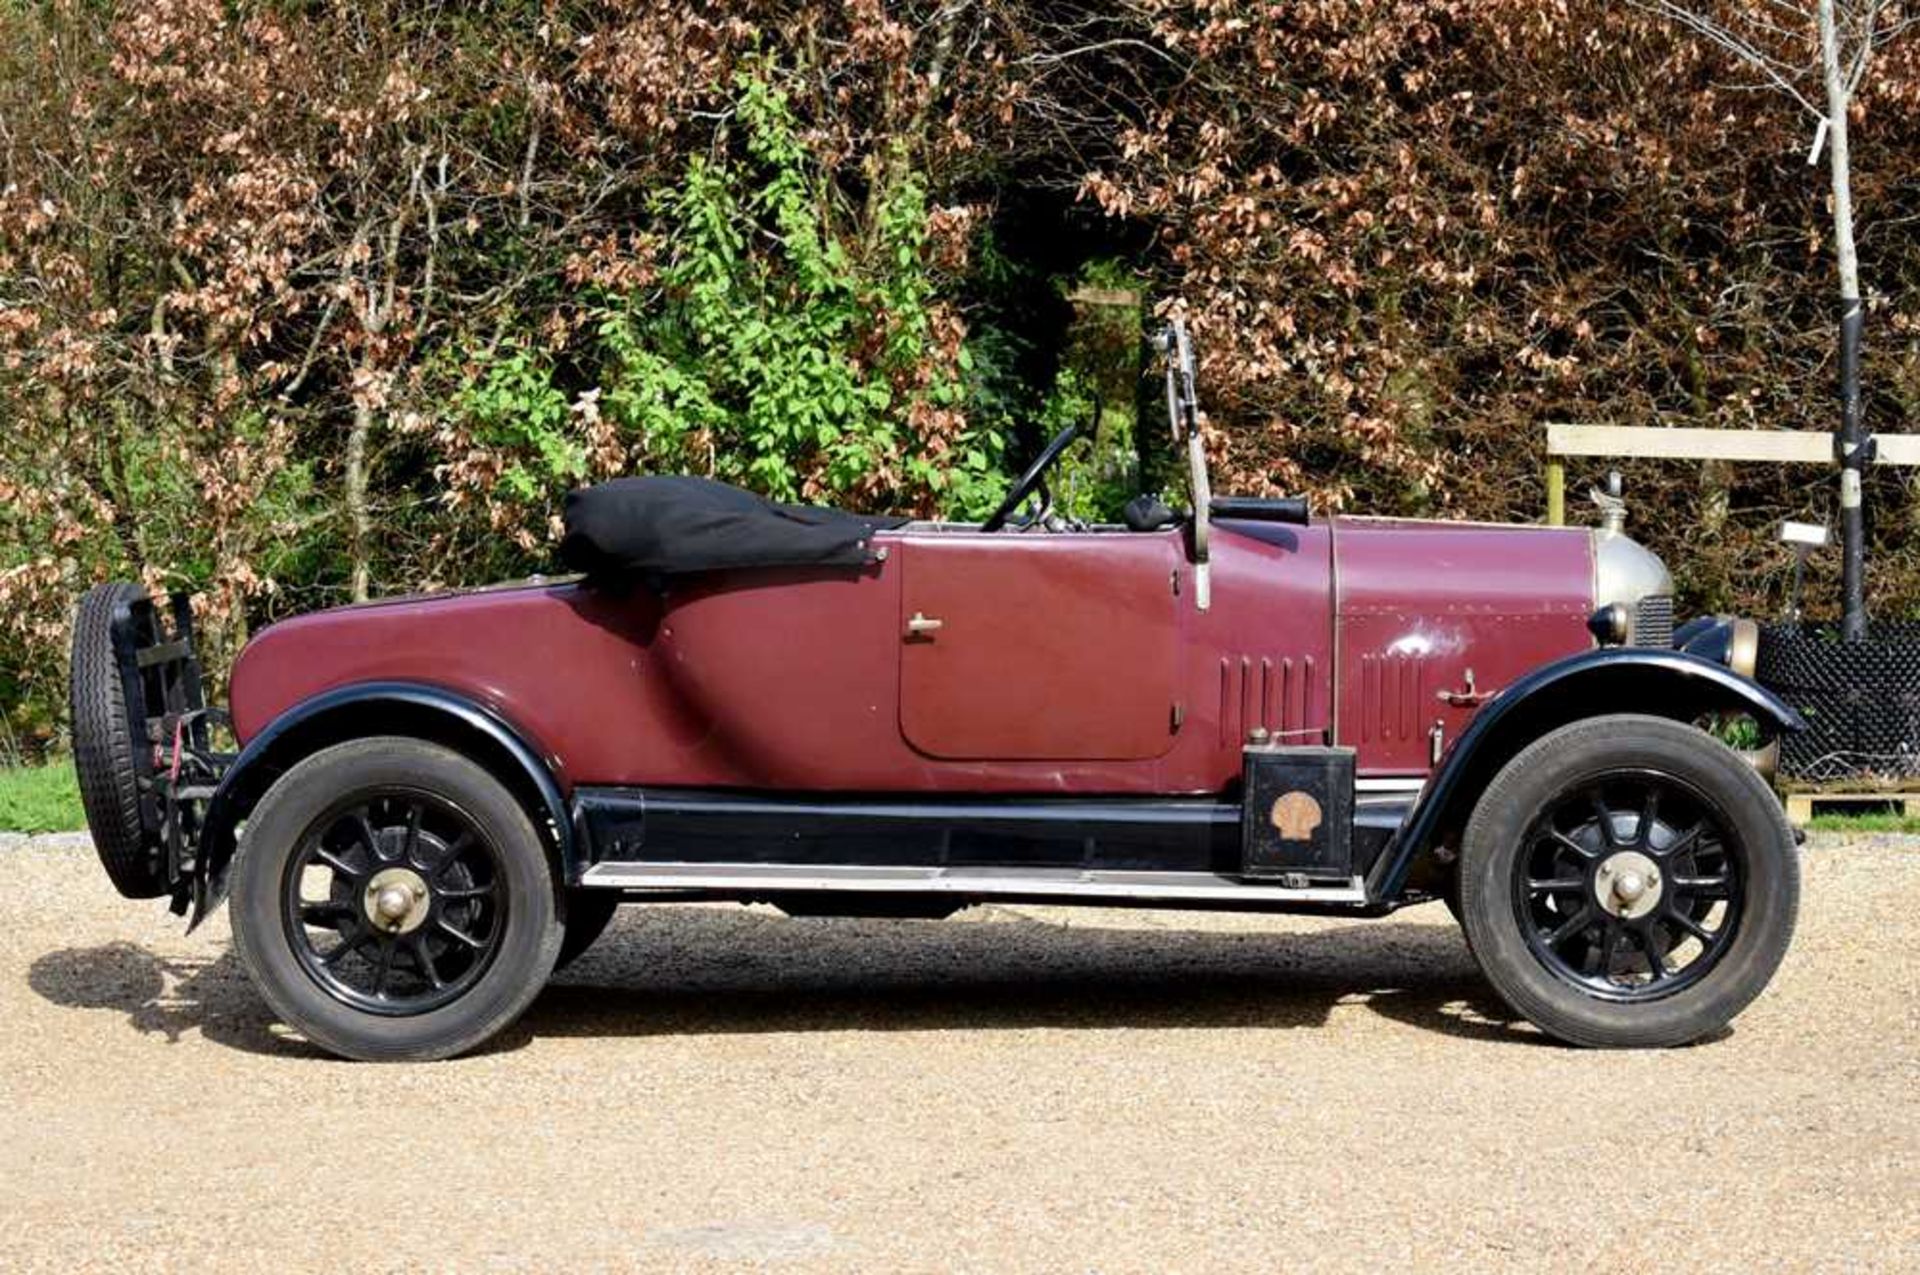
x=1628 y=882
x=394 y=903
x=1629 y=887
x=393 y=900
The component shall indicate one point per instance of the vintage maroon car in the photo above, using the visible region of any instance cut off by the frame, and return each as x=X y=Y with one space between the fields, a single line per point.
x=438 y=798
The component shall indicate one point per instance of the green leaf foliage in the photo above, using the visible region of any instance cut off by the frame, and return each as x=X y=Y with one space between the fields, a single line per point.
x=787 y=346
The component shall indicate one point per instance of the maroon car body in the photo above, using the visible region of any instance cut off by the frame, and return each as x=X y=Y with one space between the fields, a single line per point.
x=1065 y=663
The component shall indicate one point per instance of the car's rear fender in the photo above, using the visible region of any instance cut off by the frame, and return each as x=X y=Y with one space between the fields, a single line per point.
x=410 y=709
x=1613 y=680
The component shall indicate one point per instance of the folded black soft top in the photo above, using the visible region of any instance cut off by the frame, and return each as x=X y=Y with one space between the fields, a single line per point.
x=666 y=526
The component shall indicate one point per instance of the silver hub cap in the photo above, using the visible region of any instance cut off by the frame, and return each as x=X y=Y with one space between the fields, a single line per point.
x=1628 y=885
x=397 y=900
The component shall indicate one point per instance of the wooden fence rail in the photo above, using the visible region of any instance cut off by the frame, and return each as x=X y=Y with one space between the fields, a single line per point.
x=1779 y=446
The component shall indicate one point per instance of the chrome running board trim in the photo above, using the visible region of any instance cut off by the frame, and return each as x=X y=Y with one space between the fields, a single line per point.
x=1029 y=883
x=1367 y=787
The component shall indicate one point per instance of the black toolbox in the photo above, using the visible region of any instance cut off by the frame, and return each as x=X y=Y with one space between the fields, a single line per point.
x=1297 y=812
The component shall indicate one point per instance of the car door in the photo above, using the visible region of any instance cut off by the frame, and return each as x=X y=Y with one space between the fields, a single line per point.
x=1040 y=646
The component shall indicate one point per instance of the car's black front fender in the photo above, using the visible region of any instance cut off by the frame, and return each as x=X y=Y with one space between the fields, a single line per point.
x=358 y=711
x=1613 y=680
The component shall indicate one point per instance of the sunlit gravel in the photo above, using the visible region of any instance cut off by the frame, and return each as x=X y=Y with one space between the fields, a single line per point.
x=721 y=1088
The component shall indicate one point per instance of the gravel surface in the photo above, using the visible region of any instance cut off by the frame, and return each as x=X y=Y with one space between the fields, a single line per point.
x=717 y=1088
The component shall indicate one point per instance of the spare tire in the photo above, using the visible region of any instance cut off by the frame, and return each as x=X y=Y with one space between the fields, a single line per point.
x=105 y=751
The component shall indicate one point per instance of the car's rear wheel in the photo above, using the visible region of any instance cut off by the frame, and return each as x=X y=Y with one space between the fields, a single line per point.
x=1628 y=881
x=393 y=901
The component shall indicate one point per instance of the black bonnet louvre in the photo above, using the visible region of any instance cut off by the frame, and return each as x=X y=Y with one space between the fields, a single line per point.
x=672 y=525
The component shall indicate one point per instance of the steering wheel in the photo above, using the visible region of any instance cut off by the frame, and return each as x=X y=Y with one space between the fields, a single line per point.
x=1034 y=479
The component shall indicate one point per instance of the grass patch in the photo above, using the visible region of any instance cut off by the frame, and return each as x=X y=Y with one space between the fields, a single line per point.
x=40 y=799
x=1865 y=823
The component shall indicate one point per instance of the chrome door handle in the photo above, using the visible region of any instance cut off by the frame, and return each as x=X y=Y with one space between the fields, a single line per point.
x=922 y=624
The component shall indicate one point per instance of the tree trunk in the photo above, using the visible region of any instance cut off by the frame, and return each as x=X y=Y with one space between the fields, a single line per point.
x=1851 y=446
x=360 y=523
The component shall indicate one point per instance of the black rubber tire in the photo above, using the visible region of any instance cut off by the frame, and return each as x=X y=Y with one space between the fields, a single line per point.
x=1563 y=760
x=269 y=845
x=103 y=748
x=589 y=912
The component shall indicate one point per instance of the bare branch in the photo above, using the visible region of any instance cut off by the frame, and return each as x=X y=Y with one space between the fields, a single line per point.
x=313 y=349
x=1063 y=55
x=526 y=165
x=1775 y=71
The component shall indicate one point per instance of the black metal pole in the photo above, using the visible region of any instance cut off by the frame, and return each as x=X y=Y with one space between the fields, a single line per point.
x=1853 y=455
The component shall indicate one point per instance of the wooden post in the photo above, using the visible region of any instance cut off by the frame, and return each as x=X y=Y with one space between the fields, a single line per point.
x=1556 y=492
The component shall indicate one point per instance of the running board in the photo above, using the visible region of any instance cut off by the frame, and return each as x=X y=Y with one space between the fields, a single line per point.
x=1068 y=884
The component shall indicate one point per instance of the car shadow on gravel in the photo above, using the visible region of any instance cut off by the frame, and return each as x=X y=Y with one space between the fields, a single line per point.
x=666 y=970
x=675 y=970
x=167 y=997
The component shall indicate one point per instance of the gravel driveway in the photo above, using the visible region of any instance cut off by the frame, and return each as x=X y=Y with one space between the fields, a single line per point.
x=1014 y=1089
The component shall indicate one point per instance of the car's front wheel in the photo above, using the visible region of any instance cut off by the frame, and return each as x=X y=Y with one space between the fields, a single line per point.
x=1628 y=881
x=392 y=901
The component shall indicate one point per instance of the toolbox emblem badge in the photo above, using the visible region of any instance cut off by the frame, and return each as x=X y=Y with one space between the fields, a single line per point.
x=1296 y=815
